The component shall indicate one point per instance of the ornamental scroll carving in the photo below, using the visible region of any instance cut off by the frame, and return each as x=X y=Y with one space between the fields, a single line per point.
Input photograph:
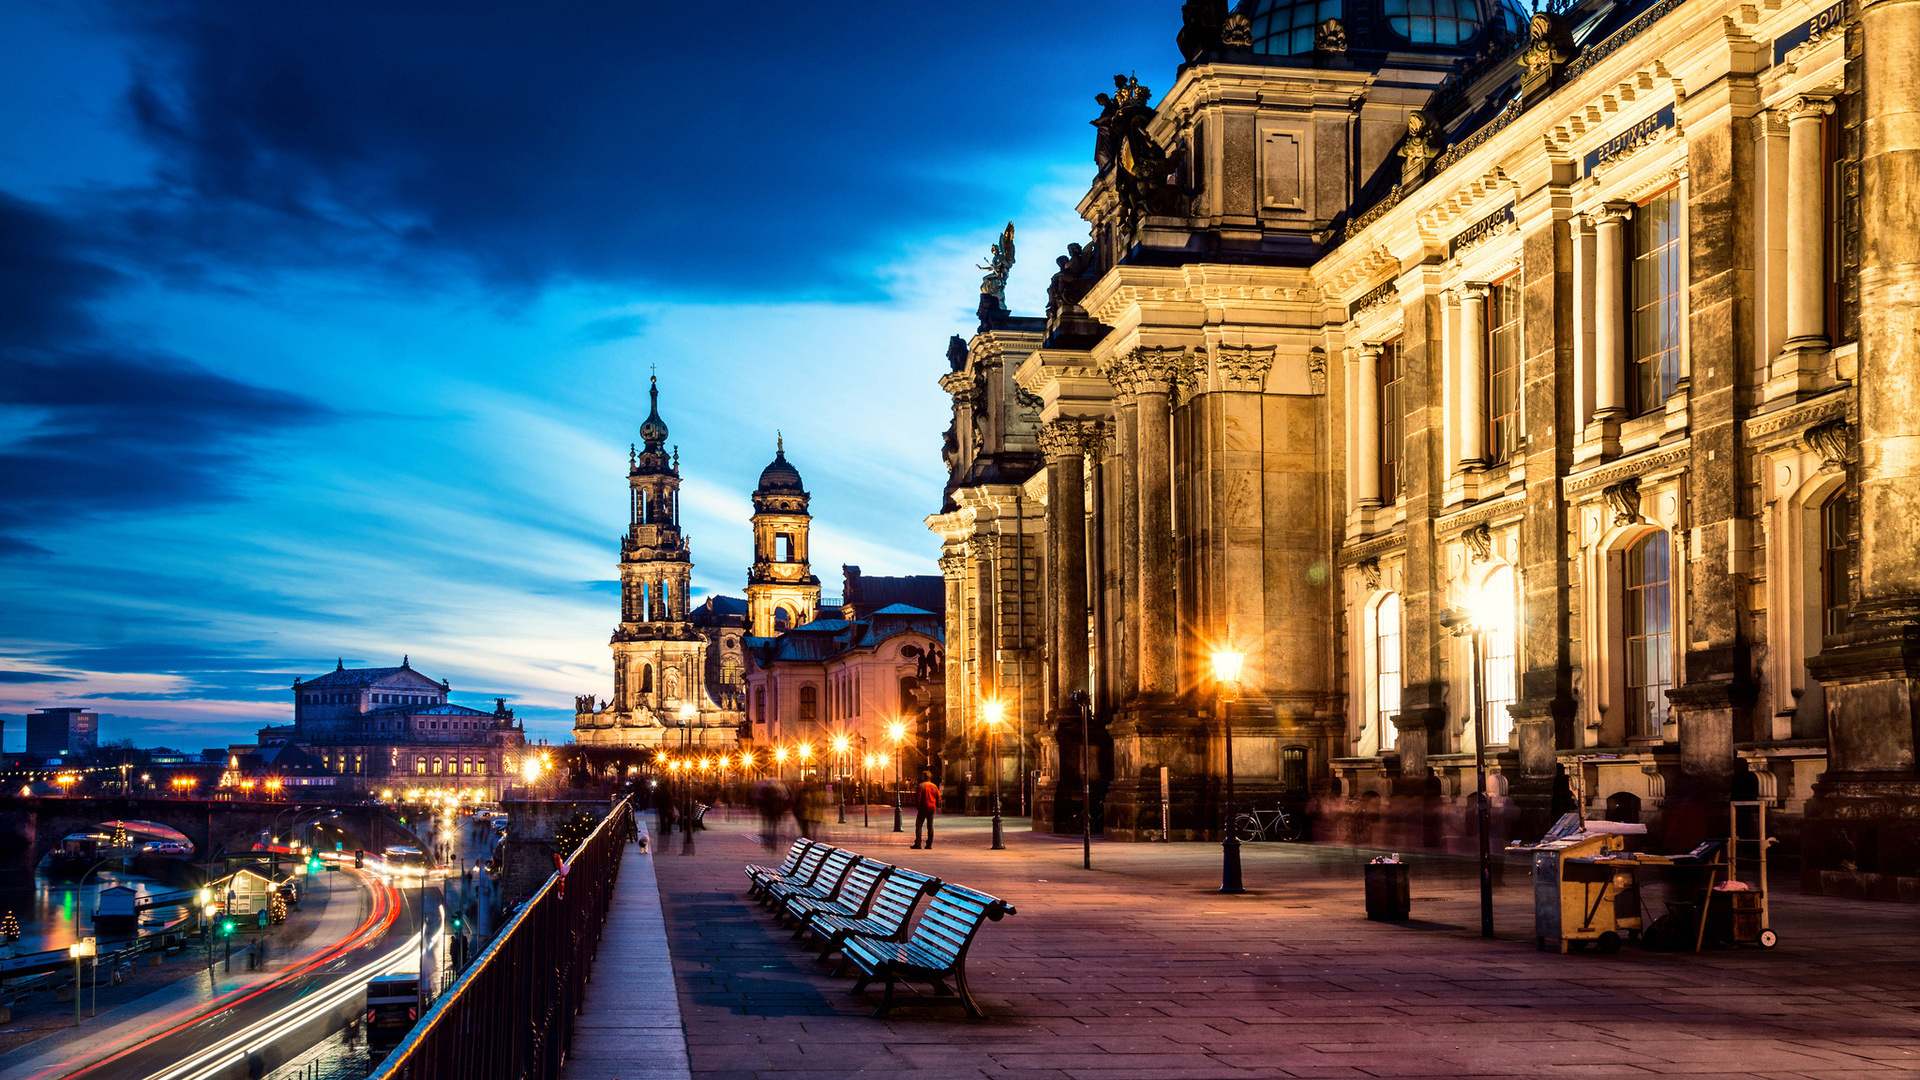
x=1479 y=541
x=953 y=566
x=1833 y=441
x=1317 y=369
x=1624 y=499
x=1150 y=369
x=1369 y=572
x=1242 y=367
x=1067 y=438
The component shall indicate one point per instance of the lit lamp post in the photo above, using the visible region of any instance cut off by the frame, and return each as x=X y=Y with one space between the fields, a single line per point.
x=896 y=731
x=993 y=714
x=866 y=796
x=779 y=762
x=1226 y=685
x=840 y=745
x=805 y=753
x=1470 y=621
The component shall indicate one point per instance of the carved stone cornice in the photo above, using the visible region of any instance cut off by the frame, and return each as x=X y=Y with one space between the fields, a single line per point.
x=1669 y=459
x=964 y=387
x=1069 y=438
x=1241 y=367
x=1149 y=369
x=1796 y=417
x=1486 y=512
x=1373 y=547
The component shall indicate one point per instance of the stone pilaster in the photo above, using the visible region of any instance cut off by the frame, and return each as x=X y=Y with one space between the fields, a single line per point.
x=1065 y=442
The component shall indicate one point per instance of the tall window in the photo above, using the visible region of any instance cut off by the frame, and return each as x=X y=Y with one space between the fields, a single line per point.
x=1497 y=659
x=1503 y=370
x=1835 y=559
x=809 y=703
x=1656 y=302
x=1649 y=623
x=1392 y=422
x=1386 y=640
x=1293 y=771
x=760 y=704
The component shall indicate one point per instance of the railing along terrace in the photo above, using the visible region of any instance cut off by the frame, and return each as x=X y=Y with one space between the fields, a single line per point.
x=510 y=1015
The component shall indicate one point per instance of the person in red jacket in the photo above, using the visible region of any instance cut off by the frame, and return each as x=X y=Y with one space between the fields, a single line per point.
x=927 y=803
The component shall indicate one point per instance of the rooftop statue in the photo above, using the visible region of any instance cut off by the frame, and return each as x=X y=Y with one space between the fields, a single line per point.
x=998 y=264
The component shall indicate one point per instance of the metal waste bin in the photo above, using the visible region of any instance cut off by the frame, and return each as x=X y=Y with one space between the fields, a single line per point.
x=1388 y=891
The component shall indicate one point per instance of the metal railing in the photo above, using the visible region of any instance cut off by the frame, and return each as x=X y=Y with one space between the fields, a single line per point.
x=510 y=1015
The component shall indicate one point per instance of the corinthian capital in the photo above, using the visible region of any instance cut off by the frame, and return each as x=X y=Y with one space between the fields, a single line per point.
x=1150 y=369
x=1070 y=438
x=953 y=566
x=1242 y=367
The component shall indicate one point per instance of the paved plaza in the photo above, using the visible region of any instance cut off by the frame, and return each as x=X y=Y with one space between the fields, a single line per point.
x=1140 y=970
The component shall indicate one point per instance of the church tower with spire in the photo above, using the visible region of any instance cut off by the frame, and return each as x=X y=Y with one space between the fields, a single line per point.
x=659 y=655
x=782 y=591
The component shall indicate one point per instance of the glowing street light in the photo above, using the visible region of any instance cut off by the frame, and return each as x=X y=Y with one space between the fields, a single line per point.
x=993 y=712
x=1477 y=614
x=1226 y=683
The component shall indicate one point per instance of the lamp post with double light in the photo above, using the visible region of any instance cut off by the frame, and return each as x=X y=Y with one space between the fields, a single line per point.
x=993 y=713
x=1470 y=621
x=1226 y=685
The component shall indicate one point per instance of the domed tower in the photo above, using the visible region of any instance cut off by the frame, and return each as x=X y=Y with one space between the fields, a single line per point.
x=781 y=589
x=658 y=655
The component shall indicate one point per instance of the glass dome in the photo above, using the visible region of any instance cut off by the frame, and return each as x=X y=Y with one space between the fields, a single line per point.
x=1445 y=22
x=1285 y=27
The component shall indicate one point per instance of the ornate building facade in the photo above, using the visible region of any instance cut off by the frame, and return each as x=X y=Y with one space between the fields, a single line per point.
x=1392 y=309
x=665 y=690
x=394 y=729
x=782 y=591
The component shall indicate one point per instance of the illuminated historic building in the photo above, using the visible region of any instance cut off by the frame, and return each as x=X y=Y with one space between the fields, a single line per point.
x=1389 y=306
x=394 y=729
x=665 y=690
x=781 y=590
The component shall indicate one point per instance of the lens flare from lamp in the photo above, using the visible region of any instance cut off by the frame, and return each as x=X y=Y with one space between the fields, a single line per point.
x=896 y=731
x=992 y=711
x=1226 y=666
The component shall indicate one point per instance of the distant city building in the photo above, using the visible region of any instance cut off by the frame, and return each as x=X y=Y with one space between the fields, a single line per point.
x=670 y=660
x=62 y=732
x=395 y=729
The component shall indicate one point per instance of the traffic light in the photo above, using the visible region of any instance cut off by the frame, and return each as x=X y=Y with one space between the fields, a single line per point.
x=359 y=859
x=456 y=924
x=226 y=927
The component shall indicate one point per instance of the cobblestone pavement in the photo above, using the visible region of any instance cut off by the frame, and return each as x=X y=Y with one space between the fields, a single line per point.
x=1140 y=970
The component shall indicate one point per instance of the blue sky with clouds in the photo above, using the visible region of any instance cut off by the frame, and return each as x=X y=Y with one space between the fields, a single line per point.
x=324 y=328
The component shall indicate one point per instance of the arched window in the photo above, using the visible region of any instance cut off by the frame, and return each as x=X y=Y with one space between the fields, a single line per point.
x=420 y=766
x=1386 y=639
x=646 y=678
x=809 y=703
x=1497 y=653
x=1623 y=806
x=1649 y=634
x=1836 y=558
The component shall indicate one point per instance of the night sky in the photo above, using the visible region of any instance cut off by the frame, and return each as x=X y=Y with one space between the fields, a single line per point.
x=324 y=328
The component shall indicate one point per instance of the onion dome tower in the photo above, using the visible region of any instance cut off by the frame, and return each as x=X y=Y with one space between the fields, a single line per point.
x=781 y=590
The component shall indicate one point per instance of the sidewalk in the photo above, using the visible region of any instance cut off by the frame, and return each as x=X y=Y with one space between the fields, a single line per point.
x=1140 y=970
x=629 y=1027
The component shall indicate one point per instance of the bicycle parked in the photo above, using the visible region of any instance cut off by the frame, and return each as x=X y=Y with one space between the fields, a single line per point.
x=1275 y=824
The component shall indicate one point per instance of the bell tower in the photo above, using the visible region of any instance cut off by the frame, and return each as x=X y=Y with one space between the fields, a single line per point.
x=781 y=590
x=657 y=652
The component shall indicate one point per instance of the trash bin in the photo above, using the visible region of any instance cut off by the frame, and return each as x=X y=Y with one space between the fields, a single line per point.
x=1388 y=890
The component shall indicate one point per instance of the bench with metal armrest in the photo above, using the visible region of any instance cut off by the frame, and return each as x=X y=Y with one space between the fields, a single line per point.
x=935 y=951
x=886 y=917
x=825 y=884
x=759 y=877
x=851 y=901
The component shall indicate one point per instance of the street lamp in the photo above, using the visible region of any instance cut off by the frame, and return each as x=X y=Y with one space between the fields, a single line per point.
x=840 y=745
x=993 y=713
x=896 y=732
x=1470 y=621
x=1226 y=684
x=1083 y=702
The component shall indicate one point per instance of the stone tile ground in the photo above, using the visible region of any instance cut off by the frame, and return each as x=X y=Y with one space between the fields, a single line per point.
x=1139 y=970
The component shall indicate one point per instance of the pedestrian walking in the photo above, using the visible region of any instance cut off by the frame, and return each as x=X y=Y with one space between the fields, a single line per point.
x=927 y=802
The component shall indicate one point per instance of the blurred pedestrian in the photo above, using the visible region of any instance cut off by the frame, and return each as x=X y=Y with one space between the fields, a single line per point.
x=926 y=802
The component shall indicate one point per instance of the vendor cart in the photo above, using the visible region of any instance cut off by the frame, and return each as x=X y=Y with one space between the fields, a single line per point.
x=1585 y=885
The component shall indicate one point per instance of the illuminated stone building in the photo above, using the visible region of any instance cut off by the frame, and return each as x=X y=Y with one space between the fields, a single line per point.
x=666 y=693
x=1388 y=306
x=379 y=729
x=782 y=591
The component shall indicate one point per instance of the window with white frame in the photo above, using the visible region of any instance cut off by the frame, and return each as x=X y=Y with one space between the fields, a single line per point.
x=1497 y=654
x=1649 y=634
x=1386 y=651
x=1503 y=370
x=1655 y=288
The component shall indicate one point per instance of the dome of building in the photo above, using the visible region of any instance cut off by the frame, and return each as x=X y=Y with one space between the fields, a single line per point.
x=1286 y=27
x=779 y=475
x=653 y=430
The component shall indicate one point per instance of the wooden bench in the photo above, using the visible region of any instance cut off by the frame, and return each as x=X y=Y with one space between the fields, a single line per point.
x=850 y=900
x=802 y=871
x=934 y=952
x=886 y=917
x=826 y=882
x=756 y=873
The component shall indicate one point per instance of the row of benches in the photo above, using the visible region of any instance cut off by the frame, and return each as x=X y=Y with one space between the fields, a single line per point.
x=861 y=907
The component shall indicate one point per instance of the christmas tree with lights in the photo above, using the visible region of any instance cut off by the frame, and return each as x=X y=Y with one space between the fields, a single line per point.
x=10 y=926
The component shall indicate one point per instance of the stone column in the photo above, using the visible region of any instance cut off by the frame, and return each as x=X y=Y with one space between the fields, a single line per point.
x=1806 y=224
x=1366 y=474
x=1864 y=806
x=1125 y=519
x=1610 y=312
x=1064 y=442
x=1473 y=373
x=1155 y=370
x=1580 y=231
